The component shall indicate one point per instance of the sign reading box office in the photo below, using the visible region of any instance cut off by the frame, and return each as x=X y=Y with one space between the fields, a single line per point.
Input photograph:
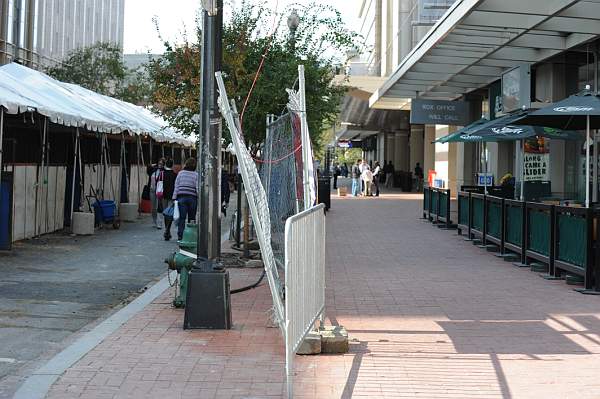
x=439 y=112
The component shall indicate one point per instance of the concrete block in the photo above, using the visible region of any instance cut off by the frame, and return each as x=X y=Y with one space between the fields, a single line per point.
x=254 y=264
x=311 y=345
x=334 y=339
x=83 y=223
x=128 y=212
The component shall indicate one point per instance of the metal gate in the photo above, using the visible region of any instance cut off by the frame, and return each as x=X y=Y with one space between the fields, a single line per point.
x=304 y=280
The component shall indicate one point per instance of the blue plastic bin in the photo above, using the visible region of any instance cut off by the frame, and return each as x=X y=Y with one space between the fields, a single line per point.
x=104 y=211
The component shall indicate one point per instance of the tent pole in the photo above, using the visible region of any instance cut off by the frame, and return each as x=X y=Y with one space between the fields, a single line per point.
x=485 y=189
x=38 y=227
x=522 y=152
x=595 y=168
x=120 y=179
x=75 y=160
x=587 y=162
x=139 y=190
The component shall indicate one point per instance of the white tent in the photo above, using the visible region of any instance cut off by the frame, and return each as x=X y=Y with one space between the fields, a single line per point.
x=23 y=89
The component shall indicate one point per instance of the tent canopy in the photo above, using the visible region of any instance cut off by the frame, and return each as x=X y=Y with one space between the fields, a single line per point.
x=23 y=89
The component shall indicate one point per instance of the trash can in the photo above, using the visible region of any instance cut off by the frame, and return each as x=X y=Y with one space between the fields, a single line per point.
x=324 y=194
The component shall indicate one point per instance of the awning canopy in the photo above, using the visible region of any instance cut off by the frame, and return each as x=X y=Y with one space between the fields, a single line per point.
x=23 y=89
x=477 y=40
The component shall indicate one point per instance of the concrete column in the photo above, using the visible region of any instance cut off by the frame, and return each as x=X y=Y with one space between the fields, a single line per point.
x=401 y=151
x=465 y=164
x=429 y=149
x=416 y=145
x=378 y=34
x=389 y=147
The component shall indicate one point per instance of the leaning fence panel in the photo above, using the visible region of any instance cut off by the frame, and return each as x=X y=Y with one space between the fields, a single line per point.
x=304 y=279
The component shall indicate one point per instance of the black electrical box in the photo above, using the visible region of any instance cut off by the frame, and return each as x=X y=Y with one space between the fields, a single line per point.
x=208 y=301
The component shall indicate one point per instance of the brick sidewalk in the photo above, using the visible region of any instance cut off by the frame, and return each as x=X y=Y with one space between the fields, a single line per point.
x=430 y=316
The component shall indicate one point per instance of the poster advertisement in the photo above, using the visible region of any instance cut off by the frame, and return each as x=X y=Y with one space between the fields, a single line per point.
x=536 y=161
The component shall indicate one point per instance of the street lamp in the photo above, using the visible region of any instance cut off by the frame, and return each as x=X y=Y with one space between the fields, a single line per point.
x=293 y=22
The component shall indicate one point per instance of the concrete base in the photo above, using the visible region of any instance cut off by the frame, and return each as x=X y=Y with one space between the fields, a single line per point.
x=83 y=223
x=311 y=345
x=334 y=339
x=128 y=212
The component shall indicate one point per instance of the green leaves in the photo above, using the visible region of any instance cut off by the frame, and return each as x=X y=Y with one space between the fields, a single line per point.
x=254 y=31
x=100 y=68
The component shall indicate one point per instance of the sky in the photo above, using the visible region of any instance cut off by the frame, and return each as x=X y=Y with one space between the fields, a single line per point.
x=141 y=35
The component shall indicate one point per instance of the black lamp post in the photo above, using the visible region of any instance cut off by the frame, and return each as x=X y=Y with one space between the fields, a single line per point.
x=293 y=22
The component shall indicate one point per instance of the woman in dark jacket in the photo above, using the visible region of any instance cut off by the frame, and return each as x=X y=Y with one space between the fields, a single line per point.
x=167 y=200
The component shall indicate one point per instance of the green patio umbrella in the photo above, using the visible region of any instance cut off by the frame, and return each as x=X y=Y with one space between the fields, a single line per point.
x=579 y=111
x=456 y=137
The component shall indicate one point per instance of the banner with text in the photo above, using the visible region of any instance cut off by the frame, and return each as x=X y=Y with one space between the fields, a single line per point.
x=536 y=160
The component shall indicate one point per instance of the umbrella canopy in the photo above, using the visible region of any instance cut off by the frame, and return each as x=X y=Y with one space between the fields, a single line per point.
x=456 y=137
x=503 y=129
x=570 y=113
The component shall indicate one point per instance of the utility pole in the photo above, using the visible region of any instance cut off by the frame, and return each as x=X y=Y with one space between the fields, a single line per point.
x=209 y=146
x=208 y=302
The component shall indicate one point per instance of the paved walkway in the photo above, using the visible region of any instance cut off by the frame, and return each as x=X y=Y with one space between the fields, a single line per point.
x=430 y=316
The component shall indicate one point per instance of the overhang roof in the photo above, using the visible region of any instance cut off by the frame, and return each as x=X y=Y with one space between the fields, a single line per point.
x=477 y=40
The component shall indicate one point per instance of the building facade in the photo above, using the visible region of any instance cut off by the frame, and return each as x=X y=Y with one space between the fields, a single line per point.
x=38 y=33
x=494 y=55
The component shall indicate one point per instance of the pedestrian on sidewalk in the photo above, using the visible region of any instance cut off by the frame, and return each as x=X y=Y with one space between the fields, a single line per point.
x=361 y=168
x=376 y=176
x=419 y=177
x=356 y=178
x=225 y=191
x=367 y=178
x=157 y=190
x=389 y=175
x=186 y=194
x=336 y=173
x=169 y=177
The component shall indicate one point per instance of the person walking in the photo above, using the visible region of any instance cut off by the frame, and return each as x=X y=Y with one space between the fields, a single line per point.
x=225 y=191
x=186 y=194
x=356 y=178
x=169 y=177
x=419 y=177
x=376 y=176
x=156 y=186
x=389 y=175
x=367 y=178
x=336 y=174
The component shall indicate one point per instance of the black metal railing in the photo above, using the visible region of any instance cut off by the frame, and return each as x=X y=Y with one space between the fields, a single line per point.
x=436 y=205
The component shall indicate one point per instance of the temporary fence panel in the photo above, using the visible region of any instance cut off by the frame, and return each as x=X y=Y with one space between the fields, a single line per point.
x=443 y=197
x=539 y=231
x=257 y=201
x=49 y=215
x=304 y=279
x=279 y=177
x=435 y=202
x=494 y=218
x=24 y=184
x=134 y=191
x=104 y=182
x=478 y=212
x=426 y=202
x=571 y=238
x=514 y=224
x=463 y=209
